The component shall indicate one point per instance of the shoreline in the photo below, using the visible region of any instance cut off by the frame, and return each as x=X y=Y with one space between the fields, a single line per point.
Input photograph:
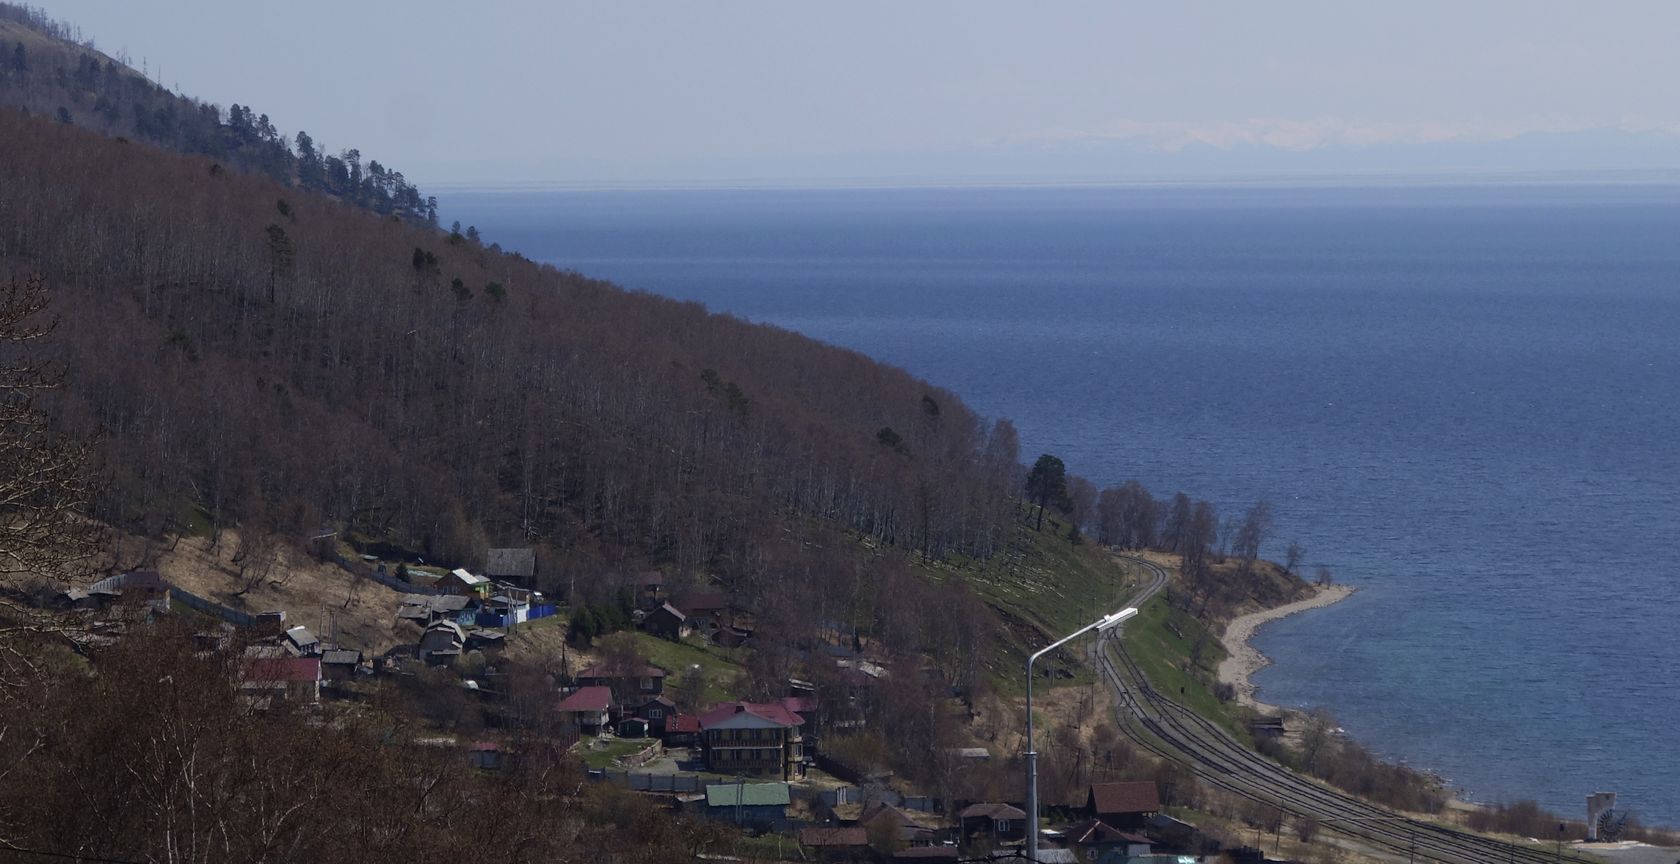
x=1242 y=659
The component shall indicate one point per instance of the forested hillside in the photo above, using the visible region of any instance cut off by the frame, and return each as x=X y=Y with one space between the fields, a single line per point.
x=46 y=69
x=291 y=364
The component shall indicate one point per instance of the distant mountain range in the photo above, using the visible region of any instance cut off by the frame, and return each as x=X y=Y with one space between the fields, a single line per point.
x=1590 y=156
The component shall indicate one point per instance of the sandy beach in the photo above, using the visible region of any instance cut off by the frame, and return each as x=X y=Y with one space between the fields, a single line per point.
x=1243 y=660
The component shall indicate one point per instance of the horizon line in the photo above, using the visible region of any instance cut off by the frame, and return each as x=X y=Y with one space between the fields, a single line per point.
x=1278 y=179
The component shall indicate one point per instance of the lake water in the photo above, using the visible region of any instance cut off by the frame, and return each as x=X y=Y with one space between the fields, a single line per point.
x=1466 y=401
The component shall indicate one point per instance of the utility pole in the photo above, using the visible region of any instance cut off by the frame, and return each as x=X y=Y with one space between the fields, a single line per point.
x=1099 y=625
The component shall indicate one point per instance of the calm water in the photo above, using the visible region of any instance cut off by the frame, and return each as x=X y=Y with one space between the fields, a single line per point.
x=1465 y=401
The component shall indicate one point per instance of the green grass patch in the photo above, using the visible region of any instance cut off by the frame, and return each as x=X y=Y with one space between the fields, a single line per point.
x=1162 y=639
x=769 y=847
x=603 y=758
x=716 y=665
x=193 y=520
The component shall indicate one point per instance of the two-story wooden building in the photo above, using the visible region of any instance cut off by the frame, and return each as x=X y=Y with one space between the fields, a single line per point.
x=753 y=738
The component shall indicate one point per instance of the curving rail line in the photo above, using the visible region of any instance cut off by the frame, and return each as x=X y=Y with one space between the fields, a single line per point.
x=1167 y=730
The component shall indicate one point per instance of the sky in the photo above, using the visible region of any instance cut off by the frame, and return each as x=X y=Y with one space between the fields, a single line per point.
x=672 y=93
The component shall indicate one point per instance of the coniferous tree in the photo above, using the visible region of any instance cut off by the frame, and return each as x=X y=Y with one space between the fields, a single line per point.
x=1047 y=484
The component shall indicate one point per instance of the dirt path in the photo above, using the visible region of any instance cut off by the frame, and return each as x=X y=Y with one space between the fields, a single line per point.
x=1243 y=660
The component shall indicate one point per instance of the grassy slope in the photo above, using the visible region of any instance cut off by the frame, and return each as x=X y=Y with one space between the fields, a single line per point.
x=681 y=659
x=1043 y=588
x=1154 y=640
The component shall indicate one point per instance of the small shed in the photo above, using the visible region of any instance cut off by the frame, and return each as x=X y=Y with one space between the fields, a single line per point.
x=487 y=755
x=340 y=664
x=490 y=641
x=302 y=643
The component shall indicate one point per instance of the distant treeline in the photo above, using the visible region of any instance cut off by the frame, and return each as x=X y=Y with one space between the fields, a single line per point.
x=44 y=69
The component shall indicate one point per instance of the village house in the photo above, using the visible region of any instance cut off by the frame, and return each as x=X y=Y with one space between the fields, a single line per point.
x=462 y=582
x=835 y=844
x=704 y=608
x=682 y=730
x=1104 y=844
x=588 y=708
x=1000 y=822
x=516 y=564
x=1124 y=805
x=761 y=739
x=911 y=830
x=442 y=643
x=761 y=805
x=657 y=711
x=626 y=683
x=667 y=622
x=292 y=679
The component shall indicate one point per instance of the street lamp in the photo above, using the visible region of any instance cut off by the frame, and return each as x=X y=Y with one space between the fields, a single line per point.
x=1099 y=625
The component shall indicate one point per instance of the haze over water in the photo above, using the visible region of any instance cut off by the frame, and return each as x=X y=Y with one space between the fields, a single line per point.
x=1464 y=401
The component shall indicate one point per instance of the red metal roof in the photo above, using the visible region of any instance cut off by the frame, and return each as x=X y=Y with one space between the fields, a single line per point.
x=682 y=723
x=588 y=699
x=1138 y=796
x=763 y=710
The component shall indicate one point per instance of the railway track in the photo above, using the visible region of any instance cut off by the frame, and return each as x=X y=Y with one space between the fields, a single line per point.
x=1165 y=729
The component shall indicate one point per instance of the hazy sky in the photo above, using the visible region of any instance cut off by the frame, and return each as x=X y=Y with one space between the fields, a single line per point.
x=621 y=91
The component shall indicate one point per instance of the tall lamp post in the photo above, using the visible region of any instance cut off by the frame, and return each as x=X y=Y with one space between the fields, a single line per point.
x=1099 y=625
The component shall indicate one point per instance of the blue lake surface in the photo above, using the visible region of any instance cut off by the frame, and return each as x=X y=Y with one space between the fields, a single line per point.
x=1465 y=401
